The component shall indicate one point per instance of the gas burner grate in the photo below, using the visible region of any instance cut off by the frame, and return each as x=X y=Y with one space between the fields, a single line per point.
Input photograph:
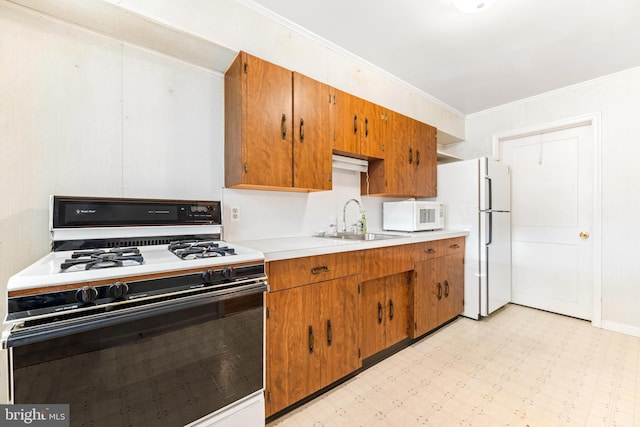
x=192 y=249
x=103 y=258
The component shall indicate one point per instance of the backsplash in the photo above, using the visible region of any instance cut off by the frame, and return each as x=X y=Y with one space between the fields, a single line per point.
x=271 y=214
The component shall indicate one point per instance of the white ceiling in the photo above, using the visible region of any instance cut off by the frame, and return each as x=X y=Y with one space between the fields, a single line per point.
x=471 y=62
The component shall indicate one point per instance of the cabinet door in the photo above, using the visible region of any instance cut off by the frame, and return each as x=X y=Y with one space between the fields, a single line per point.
x=339 y=331
x=427 y=293
x=403 y=172
x=401 y=158
x=372 y=318
x=344 y=118
x=311 y=143
x=293 y=355
x=267 y=124
x=453 y=282
x=397 y=306
x=425 y=162
x=373 y=130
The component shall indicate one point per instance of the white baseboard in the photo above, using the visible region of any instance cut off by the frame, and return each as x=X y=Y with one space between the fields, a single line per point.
x=622 y=328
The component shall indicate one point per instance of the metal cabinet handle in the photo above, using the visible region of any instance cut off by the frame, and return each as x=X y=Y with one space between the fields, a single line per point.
x=329 y=332
x=417 y=157
x=283 y=126
x=454 y=246
x=379 y=313
x=355 y=123
x=366 y=127
x=321 y=269
x=310 y=339
x=390 y=309
x=410 y=156
x=430 y=251
x=439 y=291
x=301 y=130
x=446 y=288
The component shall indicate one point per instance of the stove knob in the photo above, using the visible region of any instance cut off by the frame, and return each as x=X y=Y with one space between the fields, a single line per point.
x=86 y=294
x=207 y=276
x=227 y=272
x=118 y=290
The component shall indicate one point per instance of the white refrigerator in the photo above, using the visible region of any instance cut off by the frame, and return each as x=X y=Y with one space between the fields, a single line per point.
x=477 y=198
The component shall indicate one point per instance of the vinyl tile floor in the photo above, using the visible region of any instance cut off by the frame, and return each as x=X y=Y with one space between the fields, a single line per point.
x=517 y=367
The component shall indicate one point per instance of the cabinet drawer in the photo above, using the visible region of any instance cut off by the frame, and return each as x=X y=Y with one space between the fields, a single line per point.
x=437 y=248
x=427 y=250
x=294 y=272
x=453 y=246
x=381 y=262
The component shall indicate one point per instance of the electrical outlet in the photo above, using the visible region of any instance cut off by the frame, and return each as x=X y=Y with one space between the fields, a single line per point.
x=235 y=213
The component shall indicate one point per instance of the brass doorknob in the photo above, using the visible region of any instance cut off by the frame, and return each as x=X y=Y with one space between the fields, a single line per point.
x=584 y=235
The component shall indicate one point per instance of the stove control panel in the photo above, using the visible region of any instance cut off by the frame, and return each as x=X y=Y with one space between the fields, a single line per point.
x=120 y=293
x=80 y=212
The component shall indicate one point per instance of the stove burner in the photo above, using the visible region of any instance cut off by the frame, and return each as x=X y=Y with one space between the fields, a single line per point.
x=102 y=258
x=191 y=249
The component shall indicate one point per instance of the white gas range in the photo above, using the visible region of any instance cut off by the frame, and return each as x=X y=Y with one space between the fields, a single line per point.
x=128 y=279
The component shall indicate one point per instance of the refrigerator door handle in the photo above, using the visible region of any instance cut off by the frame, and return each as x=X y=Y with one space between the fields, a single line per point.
x=490 y=229
x=490 y=190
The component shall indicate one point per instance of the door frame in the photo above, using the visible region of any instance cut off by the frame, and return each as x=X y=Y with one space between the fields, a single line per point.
x=593 y=120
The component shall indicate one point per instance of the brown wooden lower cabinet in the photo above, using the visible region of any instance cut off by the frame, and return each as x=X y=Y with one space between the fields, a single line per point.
x=318 y=333
x=438 y=293
x=384 y=312
x=312 y=339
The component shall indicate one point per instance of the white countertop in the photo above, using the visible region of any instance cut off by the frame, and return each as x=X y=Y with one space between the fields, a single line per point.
x=297 y=247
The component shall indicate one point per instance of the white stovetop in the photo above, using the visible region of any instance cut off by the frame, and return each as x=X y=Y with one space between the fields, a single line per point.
x=157 y=259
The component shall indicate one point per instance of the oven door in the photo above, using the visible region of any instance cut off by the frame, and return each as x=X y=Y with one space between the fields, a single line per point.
x=167 y=365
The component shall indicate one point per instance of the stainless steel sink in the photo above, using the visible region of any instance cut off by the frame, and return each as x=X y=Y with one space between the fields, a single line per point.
x=361 y=236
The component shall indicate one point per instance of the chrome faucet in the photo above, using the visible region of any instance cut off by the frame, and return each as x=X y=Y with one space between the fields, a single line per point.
x=360 y=223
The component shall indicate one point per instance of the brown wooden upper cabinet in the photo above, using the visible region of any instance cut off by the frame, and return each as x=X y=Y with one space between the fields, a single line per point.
x=311 y=140
x=425 y=160
x=276 y=128
x=409 y=168
x=281 y=128
x=358 y=126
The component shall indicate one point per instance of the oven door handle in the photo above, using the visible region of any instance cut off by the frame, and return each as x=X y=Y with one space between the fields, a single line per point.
x=36 y=334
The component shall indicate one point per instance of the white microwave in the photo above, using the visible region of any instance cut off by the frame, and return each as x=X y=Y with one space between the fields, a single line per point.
x=412 y=215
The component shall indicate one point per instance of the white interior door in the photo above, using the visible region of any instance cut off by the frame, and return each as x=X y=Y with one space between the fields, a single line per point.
x=552 y=213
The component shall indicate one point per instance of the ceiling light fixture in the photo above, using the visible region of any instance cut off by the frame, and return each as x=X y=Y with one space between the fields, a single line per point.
x=473 y=6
